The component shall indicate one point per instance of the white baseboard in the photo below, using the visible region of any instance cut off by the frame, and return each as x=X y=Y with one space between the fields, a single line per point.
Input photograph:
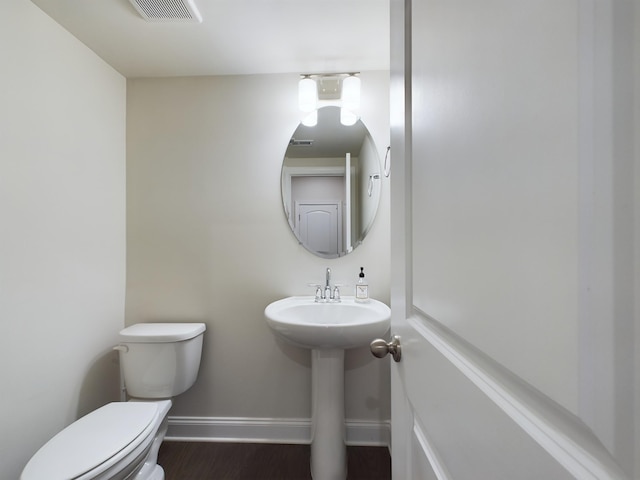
x=270 y=430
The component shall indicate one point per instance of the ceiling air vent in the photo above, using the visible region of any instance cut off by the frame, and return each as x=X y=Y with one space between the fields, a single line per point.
x=167 y=10
x=300 y=143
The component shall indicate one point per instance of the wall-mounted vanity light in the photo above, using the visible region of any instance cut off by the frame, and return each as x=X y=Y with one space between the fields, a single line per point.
x=336 y=89
x=307 y=94
x=350 y=100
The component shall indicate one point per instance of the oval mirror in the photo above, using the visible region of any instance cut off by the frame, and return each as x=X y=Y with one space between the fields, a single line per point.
x=331 y=184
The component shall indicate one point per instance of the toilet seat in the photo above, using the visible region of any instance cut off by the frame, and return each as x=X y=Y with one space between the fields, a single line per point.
x=98 y=441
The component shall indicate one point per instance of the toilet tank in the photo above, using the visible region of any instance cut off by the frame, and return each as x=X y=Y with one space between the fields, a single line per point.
x=160 y=360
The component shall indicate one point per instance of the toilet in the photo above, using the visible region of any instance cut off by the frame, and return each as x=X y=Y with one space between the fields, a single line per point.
x=121 y=439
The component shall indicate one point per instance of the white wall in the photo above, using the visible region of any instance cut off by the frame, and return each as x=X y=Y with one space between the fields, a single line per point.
x=208 y=239
x=62 y=230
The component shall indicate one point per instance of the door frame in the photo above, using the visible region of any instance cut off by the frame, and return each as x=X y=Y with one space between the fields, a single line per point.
x=401 y=213
x=289 y=172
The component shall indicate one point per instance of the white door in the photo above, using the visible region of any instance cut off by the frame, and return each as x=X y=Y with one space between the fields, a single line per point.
x=478 y=392
x=319 y=227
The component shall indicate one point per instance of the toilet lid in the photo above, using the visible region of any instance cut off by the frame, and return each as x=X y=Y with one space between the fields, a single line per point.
x=92 y=440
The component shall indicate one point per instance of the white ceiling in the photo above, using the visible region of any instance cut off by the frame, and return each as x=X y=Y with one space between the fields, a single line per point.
x=235 y=37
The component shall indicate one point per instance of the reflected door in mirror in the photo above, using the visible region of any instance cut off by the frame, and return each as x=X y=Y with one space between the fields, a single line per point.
x=320 y=227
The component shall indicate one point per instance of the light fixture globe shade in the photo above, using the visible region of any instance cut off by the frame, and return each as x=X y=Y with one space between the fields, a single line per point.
x=347 y=117
x=307 y=94
x=310 y=120
x=351 y=93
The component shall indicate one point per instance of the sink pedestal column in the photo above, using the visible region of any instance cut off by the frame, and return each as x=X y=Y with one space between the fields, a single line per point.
x=328 y=433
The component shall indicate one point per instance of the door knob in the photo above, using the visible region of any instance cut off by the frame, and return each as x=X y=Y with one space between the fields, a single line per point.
x=380 y=348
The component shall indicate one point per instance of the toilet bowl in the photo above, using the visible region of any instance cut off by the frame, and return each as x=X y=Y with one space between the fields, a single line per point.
x=121 y=439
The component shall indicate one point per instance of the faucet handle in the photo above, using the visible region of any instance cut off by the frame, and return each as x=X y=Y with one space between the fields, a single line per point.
x=336 y=294
x=318 y=287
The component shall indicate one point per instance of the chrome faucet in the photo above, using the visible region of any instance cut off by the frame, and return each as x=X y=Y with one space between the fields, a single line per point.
x=328 y=294
x=327 y=285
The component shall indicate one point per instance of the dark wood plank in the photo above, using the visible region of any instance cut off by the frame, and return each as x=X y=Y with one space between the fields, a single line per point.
x=251 y=461
x=368 y=463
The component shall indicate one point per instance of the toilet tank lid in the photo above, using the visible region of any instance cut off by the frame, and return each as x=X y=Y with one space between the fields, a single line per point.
x=161 y=332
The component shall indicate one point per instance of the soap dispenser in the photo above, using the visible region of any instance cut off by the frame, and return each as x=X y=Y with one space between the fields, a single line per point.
x=362 y=288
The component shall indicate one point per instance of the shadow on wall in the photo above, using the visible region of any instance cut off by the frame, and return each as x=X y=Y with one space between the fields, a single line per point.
x=299 y=355
x=358 y=358
x=101 y=383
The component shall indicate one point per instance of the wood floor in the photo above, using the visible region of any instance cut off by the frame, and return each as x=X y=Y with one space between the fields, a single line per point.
x=251 y=461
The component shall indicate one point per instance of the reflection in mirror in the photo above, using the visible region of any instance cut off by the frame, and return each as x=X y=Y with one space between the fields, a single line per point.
x=331 y=184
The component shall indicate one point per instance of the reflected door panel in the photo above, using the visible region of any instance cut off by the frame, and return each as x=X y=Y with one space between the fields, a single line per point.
x=320 y=227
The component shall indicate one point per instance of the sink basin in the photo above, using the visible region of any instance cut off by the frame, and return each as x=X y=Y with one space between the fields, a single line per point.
x=347 y=324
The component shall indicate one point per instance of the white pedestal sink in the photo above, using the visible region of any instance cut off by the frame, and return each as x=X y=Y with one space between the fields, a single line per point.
x=328 y=329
